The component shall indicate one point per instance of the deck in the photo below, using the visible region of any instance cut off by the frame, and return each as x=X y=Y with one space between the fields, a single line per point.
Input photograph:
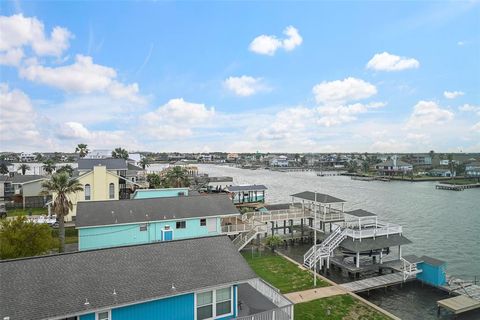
x=375 y=282
x=468 y=296
x=459 y=304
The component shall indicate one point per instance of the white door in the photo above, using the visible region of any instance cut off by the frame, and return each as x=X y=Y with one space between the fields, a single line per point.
x=212 y=224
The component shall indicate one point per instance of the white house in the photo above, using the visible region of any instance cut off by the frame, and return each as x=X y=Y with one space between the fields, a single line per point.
x=280 y=161
x=394 y=166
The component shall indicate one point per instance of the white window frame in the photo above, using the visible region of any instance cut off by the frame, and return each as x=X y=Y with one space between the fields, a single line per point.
x=111 y=195
x=109 y=314
x=89 y=192
x=214 y=302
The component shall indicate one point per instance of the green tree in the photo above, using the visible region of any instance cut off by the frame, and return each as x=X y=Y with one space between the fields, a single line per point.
x=273 y=241
x=366 y=165
x=145 y=162
x=178 y=177
x=66 y=168
x=24 y=167
x=39 y=157
x=20 y=238
x=120 y=153
x=61 y=186
x=49 y=166
x=82 y=150
x=3 y=168
x=154 y=181
x=352 y=166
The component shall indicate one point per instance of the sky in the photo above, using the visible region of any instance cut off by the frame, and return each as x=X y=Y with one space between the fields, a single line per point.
x=240 y=76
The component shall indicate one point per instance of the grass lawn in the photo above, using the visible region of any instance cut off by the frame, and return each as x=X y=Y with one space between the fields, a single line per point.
x=281 y=273
x=26 y=211
x=343 y=307
x=460 y=181
x=71 y=235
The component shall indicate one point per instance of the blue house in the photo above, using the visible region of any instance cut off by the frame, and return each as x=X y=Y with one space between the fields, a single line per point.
x=193 y=279
x=104 y=224
x=160 y=193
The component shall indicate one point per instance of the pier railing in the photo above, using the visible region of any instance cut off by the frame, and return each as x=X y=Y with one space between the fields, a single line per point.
x=380 y=229
x=273 y=294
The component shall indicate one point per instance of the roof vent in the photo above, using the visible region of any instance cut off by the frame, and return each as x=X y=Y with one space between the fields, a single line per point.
x=114 y=292
x=86 y=303
x=173 y=287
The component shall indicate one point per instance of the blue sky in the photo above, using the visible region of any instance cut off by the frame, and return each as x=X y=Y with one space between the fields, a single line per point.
x=240 y=76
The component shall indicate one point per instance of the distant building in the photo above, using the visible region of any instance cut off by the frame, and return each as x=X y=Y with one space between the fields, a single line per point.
x=440 y=173
x=394 y=167
x=472 y=169
x=420 y=159
x=446 y=162
x=232 y=157
x=99 y=154
x=27 y=157
x=280 y=161
x=26 y=189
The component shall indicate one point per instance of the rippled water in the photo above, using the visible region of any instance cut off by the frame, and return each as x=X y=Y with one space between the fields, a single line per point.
x=442 y=224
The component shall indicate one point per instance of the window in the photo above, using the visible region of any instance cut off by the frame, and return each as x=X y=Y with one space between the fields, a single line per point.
x=203 y=222
x=103 y=315
x=143 y=227
x=224 y=301
x=111 y=190
x=87 y=192
x=204 y=305
x=181 y=224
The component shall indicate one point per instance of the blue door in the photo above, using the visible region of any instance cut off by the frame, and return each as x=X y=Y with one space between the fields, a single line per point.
x=167 y=235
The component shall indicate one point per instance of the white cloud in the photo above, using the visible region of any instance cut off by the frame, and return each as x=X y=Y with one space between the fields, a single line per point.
x=268 y=45
x=339 y=91
x=428 y=113
x=11 y=57
x=476 y=127
x=470 y=108
x=83 y=76
x=177 y=118
x=390 y=62
x=452 y=94
x=244 y=86
x=19 y=31
x=338 y=114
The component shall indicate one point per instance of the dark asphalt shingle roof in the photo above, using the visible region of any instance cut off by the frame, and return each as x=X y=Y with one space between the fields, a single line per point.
x=57 y=285
x=110 y=163
x=412 y=258
x=282 y=206
x=98 y=213
x=19 y=179
x=372 y=244
x=361 y=213
x=321 y=197
x=253 y=187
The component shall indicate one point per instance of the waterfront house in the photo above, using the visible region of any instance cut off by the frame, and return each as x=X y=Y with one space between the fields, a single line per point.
x=280 y=161
x=184 y=280
x=247 y=194
x=27 y=157
x=394 y=167
x=440 y=173
x=103 y=224
x=472 y=169
x=232 y=157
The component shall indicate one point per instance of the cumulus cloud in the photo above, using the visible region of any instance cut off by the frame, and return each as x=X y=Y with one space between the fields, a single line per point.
x=476 y=127
x=176 y=118
x=428 y=113
x=268 y=44
x=339 y=91
x=390 y=62
x=19 y=31
x=83 y=76
x=452 y=94
x=338 y=114
x=11 y=57
x=470 y=108
x=244 y=86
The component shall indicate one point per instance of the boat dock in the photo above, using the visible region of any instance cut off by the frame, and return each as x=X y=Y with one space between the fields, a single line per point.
x=375 y=282
x=468 y=296
x=457 y=187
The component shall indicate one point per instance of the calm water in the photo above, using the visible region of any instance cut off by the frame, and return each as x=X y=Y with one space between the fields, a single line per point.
x=441 y=224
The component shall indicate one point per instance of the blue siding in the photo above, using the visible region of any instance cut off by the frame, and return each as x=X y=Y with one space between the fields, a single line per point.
x=113 y=236
x=90 y=316
x=433 y=275
x=179 y=307
x=159 y=193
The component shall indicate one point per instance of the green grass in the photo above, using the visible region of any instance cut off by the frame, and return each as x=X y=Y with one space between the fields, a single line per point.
x=26 y=212
x=281 y=273
x=460 y=181
x=343 y=307
x=71 y=235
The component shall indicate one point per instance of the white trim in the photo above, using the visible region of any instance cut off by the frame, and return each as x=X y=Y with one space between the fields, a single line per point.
x=214 y=302
x=102 y=311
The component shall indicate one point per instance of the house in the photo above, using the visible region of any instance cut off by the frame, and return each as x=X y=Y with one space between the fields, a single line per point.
x=247 y=193
x=26 y=190
x=160 y=193
x=446 y=162
x=27 y=157
x=99 y=154
x=472 y=169
x=280 y=161
x=184 y=280
x=420 y=159
x=232 y=157
x=103 y=224
x=440 y=173
x=394 y=167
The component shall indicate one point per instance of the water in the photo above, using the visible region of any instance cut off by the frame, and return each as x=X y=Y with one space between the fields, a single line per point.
x=442 y=224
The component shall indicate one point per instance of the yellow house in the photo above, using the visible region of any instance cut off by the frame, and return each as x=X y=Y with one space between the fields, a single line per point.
x=98 y=184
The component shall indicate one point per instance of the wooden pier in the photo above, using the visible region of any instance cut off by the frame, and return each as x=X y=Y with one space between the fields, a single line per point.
x=375 y=282
x=468 y=296
x=457 y=187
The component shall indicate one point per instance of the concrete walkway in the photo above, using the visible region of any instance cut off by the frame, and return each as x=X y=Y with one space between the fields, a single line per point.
x=313 y=294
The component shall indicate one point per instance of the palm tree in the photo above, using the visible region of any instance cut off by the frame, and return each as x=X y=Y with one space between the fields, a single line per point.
x=145 y=162
x=49 y=166
x=177 y=177
x=3 y=168
x=66 y=168
x=39 y=157
x=120 y=153
x=61 y=186
x=82 y=150
x=24 y=167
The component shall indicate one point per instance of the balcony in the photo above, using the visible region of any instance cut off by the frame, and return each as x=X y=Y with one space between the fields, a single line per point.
x=370 y=228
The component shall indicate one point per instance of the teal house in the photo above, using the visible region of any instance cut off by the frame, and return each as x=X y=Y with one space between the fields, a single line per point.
x=104 y=224
x=160 y=193
x=194 y=279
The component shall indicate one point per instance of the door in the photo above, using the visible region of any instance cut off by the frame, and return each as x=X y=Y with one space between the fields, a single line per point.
x=167 y=235
x=212 y=225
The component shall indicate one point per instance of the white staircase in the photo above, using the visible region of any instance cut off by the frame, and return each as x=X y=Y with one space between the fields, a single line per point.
x=244 y=238
x=409 y=269
x=324 y=250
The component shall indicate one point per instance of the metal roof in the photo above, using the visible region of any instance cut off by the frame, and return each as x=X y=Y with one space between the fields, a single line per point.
x=320 y=198
x=110 y=163
x=372 y=244
x=111 y=212
x=253 y=187
x=361 y=213
x=58 y=285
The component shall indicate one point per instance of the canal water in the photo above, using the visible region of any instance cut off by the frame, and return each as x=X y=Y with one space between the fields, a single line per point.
x=442 y=224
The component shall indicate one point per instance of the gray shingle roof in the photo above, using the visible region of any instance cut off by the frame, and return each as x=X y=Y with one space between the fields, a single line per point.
x=253 y=187
x=282 y=206
x=321 y=198
x=432 y=261
x=19 y=179
x=97 y=213
x=57 y=285
x=361 y=213
x=372 y=244
x=110 y=163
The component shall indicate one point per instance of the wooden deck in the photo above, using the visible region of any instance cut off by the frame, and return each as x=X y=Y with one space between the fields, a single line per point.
x=459 y=304
x=374 y=283
x=468 y=296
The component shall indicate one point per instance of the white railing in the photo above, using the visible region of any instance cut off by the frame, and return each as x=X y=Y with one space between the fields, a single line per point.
x=285 y=214
x=272 y=293
x=382 y=229
x=409 y=269
x=236 y=228
x=325 y=249
x=282 y=313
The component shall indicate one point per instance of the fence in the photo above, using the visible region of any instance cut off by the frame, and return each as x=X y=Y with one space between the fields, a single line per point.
x=282 y=313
